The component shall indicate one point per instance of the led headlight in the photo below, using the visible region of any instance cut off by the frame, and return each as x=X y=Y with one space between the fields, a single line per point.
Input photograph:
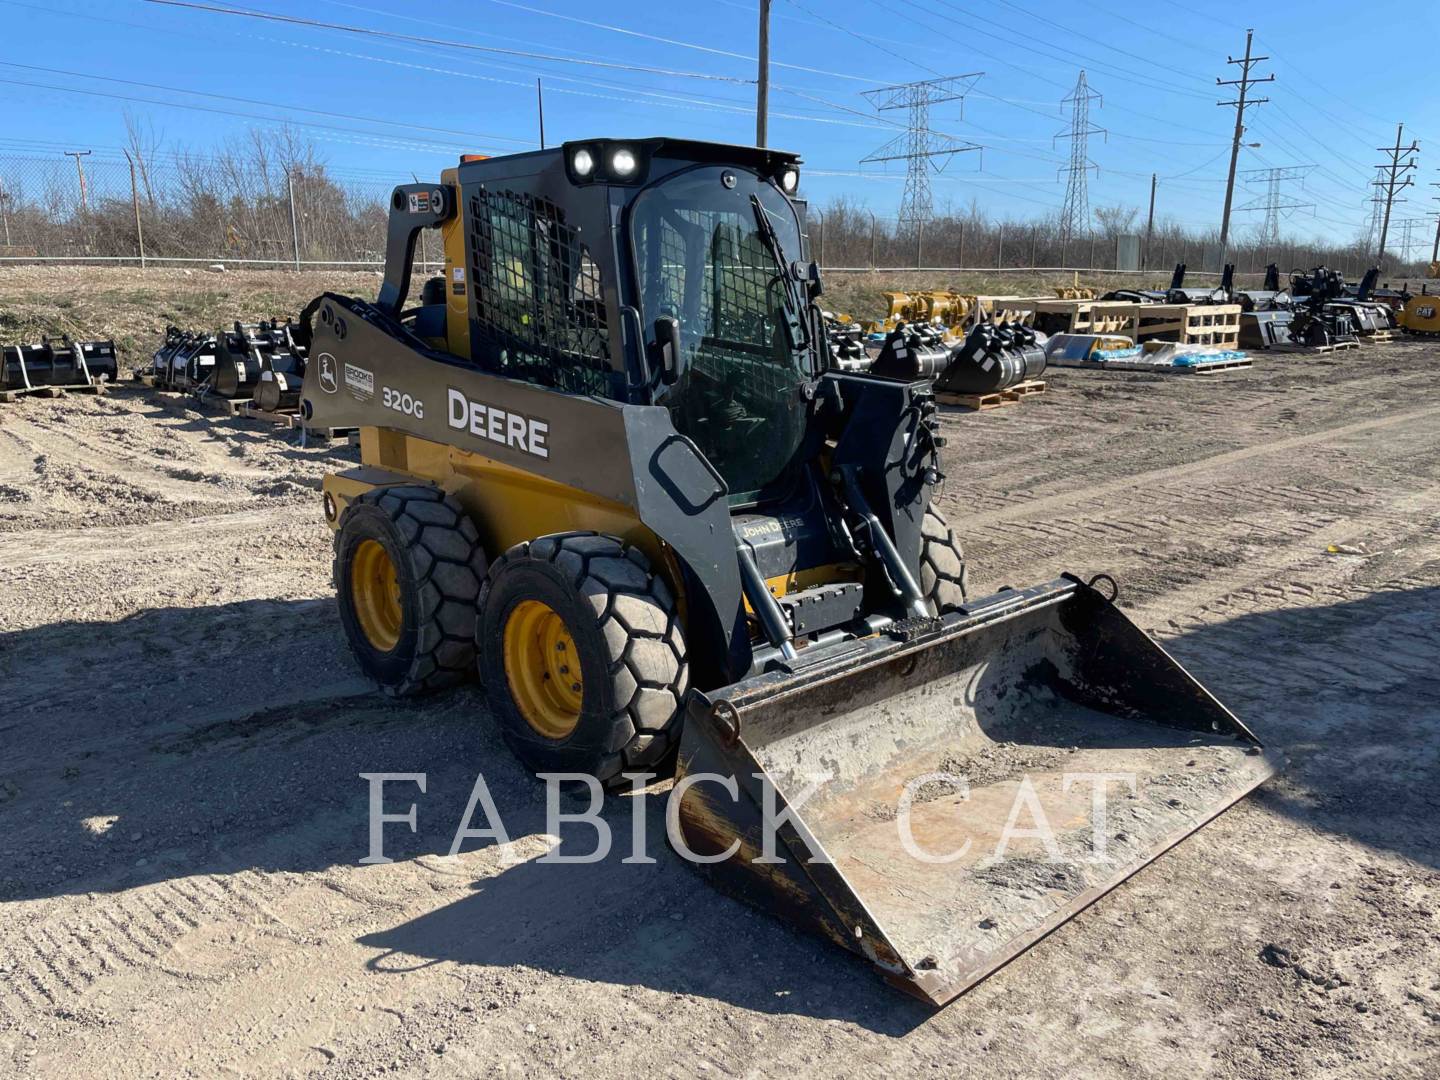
x=623 y=163
x=582 y=163
x=790 y=180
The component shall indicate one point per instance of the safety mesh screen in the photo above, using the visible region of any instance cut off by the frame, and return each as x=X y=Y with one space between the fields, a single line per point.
x=539 y=308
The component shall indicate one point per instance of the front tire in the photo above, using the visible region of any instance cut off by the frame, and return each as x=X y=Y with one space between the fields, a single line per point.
x=582 y=655
x=942 y=564
x=408 y=568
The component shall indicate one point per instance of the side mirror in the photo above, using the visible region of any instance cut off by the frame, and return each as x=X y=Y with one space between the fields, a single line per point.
x=667 y=337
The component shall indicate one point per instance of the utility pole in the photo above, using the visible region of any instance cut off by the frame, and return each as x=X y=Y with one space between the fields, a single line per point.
x=294 y=219
x=1242 y=100
x=80 y=168
x=5 y=210
x=1434 y=251
x=762 y=79
x=135 y=205
x=1395 y=179
x=540 y=105
x=1149 y=225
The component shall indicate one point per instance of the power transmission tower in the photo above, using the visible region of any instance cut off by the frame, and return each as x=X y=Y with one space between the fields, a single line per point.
x=1240 y=102
x=1274 y=202
x=1394 y=179
x=1407 y=235
x=1372 y=230
x=1075 y=215
x=920 y=148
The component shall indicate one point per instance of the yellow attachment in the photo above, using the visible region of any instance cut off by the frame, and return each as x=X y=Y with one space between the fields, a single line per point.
x=375 y=595
x=543 y=669
x=902 y=306
x=1075 y=292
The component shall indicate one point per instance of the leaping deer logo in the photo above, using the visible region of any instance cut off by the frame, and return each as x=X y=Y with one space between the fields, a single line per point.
x=327 y=373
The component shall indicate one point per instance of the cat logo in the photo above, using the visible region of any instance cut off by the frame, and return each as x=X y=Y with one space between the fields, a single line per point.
x=327 y=373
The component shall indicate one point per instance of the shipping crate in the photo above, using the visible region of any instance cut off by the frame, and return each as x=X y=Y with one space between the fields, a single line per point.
x=1191 y=324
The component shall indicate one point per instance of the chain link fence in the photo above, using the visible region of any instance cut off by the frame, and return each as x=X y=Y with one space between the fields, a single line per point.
x=285 y=209
x=845 y=238
x=248 y=211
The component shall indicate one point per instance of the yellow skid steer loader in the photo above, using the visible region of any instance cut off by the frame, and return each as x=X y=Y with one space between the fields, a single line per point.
x=608 y=466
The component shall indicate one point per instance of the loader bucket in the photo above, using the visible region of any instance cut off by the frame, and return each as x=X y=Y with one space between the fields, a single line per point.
x=906 y=767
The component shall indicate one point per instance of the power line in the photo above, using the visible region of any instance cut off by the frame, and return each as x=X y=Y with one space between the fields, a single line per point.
x=316 y=24
x=408 y=124
x=375 y=138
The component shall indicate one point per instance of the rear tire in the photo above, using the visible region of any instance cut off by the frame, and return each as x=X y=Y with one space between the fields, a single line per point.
x=408 y=569
x=586 y=600
x=942 y=564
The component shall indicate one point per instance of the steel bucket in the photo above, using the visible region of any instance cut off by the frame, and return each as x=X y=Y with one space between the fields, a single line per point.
x=1010 y=706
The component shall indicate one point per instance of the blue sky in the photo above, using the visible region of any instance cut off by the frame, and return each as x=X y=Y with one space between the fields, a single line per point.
x=1344 y=76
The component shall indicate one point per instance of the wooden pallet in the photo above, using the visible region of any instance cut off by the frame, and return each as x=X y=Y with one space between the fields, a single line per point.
x=1310 y=350
x=290 y=419
x=50 y=391
x=1380 y=337
x=1011 y=309
x=997 y=400
x=1191 y=324
x=1087 y=316
x=229 y=406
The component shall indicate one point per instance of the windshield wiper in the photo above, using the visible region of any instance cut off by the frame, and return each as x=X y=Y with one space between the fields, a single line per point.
x=795 y=332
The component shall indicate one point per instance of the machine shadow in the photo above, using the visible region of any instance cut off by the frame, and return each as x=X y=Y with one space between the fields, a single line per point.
x=1342 y=778
x=1350 y=692
x=197 y=768
x=657 y=925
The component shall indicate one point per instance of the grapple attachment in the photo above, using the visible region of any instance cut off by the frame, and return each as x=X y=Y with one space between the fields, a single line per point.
x=57 y=365
x=943 y=797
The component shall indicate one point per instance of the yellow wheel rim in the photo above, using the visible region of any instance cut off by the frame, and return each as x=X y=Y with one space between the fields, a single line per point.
x=375 y=595
x=543 y=669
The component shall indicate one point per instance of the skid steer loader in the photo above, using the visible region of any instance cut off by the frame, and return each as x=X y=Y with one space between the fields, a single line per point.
x=607 y=465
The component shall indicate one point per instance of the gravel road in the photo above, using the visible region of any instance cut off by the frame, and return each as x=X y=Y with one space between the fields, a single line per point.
x=181 y=733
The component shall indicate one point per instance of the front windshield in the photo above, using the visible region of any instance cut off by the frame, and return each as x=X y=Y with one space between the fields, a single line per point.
x=704 y=261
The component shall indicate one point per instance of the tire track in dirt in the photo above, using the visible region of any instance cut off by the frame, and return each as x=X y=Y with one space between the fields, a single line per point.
x=55 y=962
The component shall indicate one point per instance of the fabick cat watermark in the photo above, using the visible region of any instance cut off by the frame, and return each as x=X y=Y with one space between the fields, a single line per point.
x=944 y=796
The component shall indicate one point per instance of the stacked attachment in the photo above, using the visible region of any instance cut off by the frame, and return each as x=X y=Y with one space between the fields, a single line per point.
x=50 y=367
x=282 y=373
x=912 y=351
x=232 y=364
x=993 y=357
x=184 y=362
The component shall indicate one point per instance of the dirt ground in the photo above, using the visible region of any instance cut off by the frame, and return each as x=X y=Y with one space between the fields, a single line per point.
x=182 y=729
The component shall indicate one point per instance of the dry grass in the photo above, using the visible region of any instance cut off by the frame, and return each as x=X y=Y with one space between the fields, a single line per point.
x=134 y=306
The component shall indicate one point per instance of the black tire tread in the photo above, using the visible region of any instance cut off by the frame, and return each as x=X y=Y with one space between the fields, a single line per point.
x=449 y=567
x=641 y=629
x=942 y=563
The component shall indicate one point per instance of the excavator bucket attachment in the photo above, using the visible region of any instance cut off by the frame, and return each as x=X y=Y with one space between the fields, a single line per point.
x=941 y=798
